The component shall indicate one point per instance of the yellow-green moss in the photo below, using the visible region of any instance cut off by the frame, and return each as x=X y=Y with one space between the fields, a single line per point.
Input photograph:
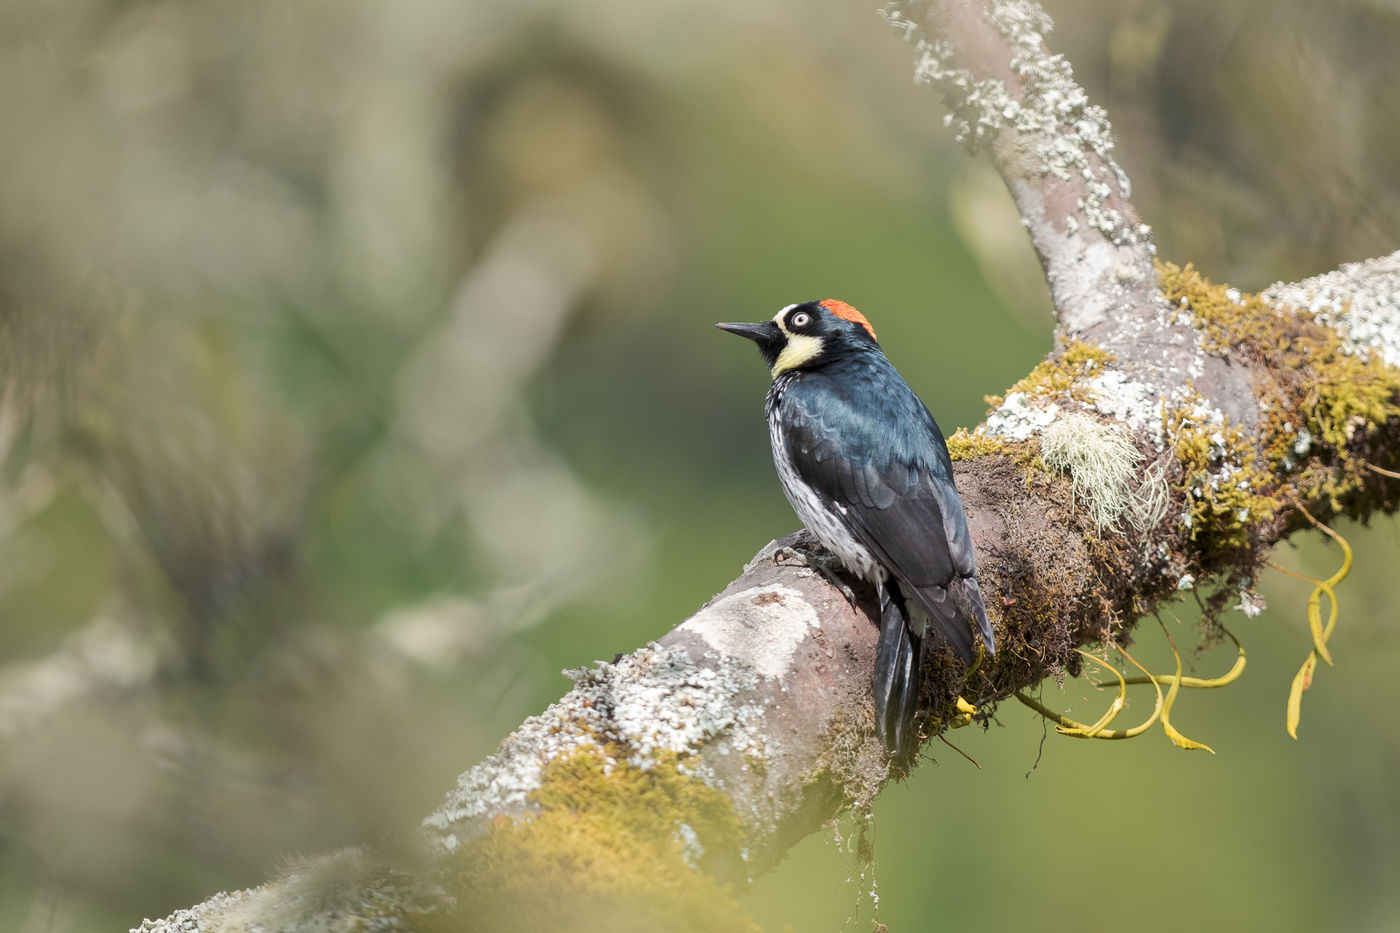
x=1226 y=491
x=1227 y=323
x=1065 y=372
x=963 y=445
x=1316 y=387
x=611 y=847
x=966 y=445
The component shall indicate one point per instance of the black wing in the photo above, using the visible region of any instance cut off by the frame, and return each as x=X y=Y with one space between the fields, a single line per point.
x=888 y=469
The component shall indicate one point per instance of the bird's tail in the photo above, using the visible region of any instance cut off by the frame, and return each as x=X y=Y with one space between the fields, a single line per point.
x=898 y=661
x=958 y=617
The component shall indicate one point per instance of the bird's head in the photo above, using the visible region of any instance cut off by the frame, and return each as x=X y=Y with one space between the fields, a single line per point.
x=808 y=335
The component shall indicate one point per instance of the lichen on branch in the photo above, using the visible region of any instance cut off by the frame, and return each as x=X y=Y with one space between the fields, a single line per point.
x=1329 y=408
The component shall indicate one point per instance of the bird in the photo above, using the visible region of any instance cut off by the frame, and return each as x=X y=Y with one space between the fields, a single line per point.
x=866 y=469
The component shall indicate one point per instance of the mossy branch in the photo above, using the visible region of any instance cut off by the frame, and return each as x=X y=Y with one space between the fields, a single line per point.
x=677 y=773
x=673 y=775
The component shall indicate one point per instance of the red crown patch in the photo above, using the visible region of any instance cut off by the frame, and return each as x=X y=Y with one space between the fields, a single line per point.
x=847 y=313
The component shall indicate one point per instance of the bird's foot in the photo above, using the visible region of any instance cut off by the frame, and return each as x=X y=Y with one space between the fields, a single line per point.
x=820 y=561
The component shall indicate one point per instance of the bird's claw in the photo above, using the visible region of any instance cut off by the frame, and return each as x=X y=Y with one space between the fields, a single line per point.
x=828 y=567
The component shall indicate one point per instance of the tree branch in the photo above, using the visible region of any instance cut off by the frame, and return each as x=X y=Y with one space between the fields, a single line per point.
x=1005 y=90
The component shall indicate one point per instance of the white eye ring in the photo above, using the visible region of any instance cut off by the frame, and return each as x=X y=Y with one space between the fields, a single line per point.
x=800 y=319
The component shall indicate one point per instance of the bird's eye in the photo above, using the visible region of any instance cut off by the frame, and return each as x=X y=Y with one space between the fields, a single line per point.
x=800 y=319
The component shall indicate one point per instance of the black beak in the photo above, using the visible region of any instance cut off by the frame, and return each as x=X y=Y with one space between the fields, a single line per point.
x=766 y=332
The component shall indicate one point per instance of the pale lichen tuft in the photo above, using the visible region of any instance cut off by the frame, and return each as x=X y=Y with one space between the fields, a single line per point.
x=1101 y=462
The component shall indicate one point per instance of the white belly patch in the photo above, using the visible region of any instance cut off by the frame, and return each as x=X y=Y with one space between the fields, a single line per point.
x=816 y=514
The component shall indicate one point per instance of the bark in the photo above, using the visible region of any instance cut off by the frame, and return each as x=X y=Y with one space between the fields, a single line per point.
x=1215 y=419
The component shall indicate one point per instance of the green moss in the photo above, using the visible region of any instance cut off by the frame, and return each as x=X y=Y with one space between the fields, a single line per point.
x=966 y=445
x=1321 y=405
x=612 y=847
x=1228 y=494
x=1063 y=373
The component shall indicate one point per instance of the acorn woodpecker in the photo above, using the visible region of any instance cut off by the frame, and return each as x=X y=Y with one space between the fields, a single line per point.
x=866 y=469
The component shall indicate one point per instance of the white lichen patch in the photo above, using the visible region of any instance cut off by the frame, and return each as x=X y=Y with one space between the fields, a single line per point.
x=1252 y=604
x=1125 y=400
x=652 y=701
x=762 y=627
x=1303 y=441
x=342 y=890
x=1197 y=413
x=692 y=850
x=1110 y=392
x=1020 y=417
x=677 y=705
x=1360 y=299
x=198 y=918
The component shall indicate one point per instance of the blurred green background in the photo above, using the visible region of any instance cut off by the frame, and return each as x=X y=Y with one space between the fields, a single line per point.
x=358 y=376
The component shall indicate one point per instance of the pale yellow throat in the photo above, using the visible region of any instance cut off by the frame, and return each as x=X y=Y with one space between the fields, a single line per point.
x=800 y=349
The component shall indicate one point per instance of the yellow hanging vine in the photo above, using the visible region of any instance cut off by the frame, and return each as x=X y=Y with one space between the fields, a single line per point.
x=1162 y=710
x=1321 y=633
